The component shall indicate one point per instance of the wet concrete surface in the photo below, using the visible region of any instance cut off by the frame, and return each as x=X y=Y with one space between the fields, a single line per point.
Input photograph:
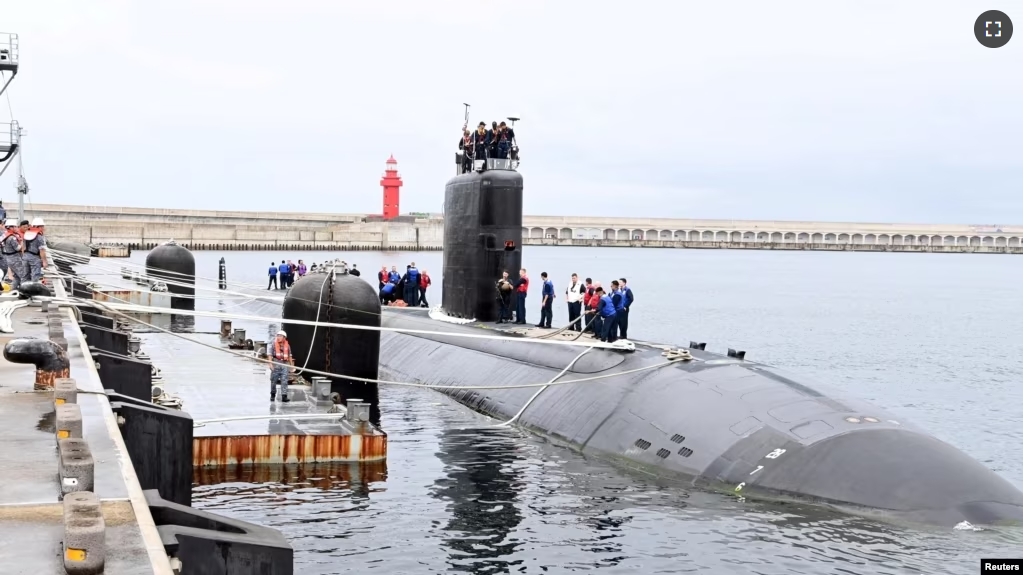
x=31 y=520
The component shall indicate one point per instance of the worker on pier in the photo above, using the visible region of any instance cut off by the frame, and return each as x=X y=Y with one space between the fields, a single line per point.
x=12 y=248
x=36 y=257
x=281 y=356
x=393 y=276
x=522 y=286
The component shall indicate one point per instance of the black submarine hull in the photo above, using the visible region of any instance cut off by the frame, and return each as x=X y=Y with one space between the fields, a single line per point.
x=715 y=422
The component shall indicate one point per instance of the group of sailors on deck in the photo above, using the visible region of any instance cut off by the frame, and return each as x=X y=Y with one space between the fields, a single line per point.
x=592 y=308
x=497 y=142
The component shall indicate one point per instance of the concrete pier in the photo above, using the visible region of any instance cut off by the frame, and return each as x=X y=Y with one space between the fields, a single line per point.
x=144 y=228
x=32 y=511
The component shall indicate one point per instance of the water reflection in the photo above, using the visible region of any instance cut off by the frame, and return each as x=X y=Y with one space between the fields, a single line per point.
x=481 y=485
x=355 y=478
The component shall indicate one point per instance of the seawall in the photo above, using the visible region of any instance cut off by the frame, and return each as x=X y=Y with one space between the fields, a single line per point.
x=143 y=228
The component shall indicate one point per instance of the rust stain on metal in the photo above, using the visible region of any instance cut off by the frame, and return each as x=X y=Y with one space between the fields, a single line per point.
x=260 y=449
x=320 y=475
x=45 y=380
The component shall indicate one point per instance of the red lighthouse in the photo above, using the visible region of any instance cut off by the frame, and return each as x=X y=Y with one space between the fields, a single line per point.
x=391 y=182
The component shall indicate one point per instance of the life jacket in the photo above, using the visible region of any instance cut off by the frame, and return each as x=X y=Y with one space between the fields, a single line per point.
x=3 y=241
x=605 y=306
x=282 y=351
x=283 y=268
x=424 y=281
x=32 y=237
x=414 y=276
x=388 y=288
x=393 y=277
x=382 y=276
x=618 y=300
x=523 y=287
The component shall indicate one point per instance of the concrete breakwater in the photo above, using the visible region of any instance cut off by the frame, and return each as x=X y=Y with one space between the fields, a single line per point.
x=143 y=228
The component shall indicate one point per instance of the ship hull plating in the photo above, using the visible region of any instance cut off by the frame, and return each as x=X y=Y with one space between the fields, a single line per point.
x=715 y=422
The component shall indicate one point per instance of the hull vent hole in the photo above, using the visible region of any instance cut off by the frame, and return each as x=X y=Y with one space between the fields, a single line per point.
x=663 y=453
x=677 y=438
x=685 y=451
x=642 y=444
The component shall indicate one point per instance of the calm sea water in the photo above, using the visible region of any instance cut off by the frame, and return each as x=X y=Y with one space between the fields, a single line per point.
x=936 y=338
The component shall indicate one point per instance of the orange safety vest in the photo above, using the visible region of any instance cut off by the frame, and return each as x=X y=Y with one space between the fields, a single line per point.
x=8 y=233
x=282 y=351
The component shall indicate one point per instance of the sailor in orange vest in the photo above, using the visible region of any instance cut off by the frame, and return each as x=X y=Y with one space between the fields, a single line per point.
x=36 y=256
x=11 y=248
x=281 y=355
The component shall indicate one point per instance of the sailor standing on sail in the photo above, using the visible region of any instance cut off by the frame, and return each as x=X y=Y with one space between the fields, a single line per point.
x=481 y=141
x=281 y=354
x=11 y=249
x=36 y=256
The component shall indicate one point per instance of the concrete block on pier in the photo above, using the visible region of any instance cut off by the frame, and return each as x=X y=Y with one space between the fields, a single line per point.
x=75 y=466
x=69 y=421
x=65 y=390
x=84 y=534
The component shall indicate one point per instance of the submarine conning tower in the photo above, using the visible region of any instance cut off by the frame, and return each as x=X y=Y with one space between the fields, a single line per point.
x=483 y=235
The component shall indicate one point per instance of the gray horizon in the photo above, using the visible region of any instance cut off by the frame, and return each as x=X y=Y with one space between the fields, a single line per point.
x=844 y=112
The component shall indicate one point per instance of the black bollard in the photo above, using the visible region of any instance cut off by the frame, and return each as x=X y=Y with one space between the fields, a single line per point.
x=50 y=359
x=222 y=278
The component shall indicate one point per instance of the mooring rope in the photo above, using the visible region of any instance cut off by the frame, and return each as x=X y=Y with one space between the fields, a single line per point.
x=679 y=355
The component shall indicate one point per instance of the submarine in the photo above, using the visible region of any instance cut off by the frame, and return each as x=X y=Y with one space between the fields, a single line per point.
x=715 y=422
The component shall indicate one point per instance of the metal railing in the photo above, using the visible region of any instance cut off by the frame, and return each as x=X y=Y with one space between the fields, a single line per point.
x=8 y=50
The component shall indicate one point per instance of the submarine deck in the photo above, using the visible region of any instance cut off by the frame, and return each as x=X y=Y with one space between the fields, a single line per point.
x=31 y=512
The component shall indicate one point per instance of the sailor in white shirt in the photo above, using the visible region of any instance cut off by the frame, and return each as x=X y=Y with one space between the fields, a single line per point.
x=574 y=297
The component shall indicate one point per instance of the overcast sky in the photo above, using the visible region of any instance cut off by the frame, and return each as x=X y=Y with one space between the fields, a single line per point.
x=866 y=111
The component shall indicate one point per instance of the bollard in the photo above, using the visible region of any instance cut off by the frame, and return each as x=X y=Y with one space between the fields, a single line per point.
x=84 y=534
x=239 y=336
x=50 y=359
x=69 y=421
x=225 y=328
x=65 y=390
x=321 y=389
x=75 y=466
x=44 y=305
x=222 y=277
x=358 y=410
